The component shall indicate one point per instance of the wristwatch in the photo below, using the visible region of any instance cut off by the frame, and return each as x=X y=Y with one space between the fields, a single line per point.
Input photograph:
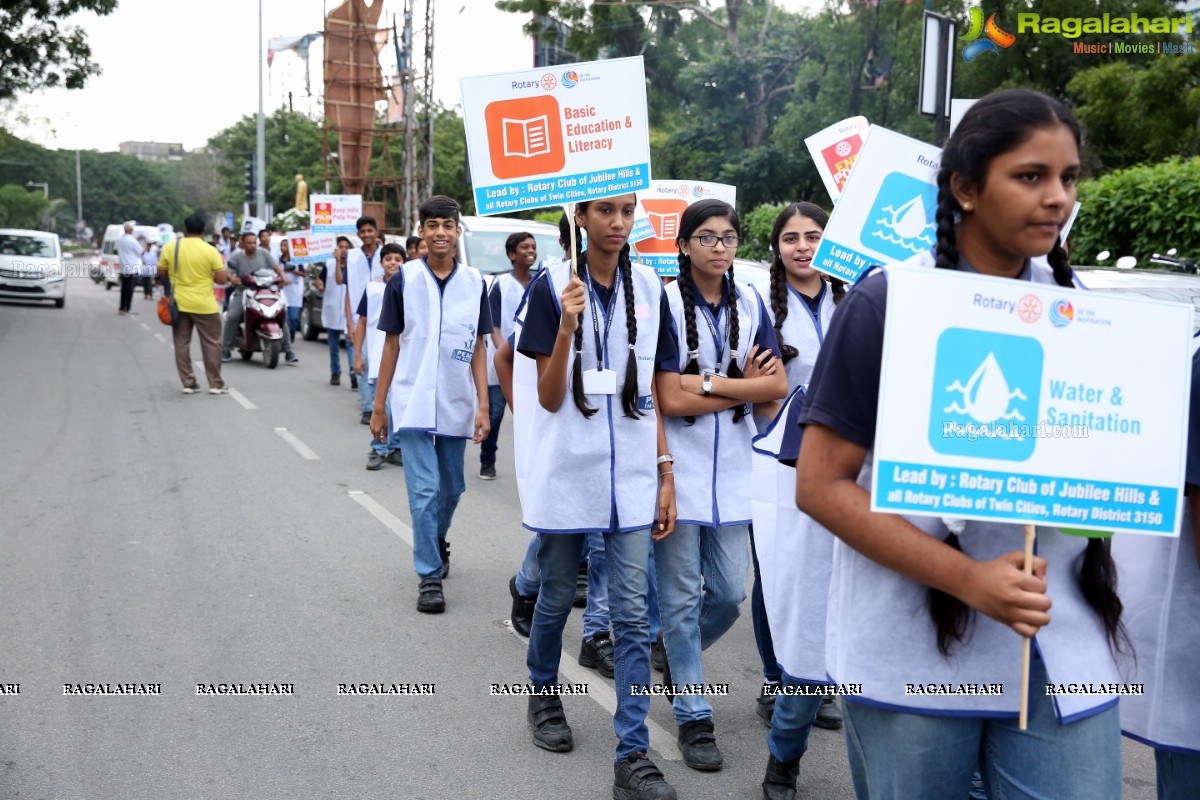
x=706 y=384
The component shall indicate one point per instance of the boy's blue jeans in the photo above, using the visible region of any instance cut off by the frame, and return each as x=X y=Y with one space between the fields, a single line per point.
x=433 y=474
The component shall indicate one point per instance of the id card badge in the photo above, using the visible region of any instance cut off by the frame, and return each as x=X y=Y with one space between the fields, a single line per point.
x=599 y=381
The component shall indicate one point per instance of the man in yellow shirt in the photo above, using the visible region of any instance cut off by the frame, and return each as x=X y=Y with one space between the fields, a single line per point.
x=191 y=282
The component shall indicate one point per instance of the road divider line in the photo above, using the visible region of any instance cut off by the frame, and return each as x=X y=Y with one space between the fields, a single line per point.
x=390 y=520
x=242 y=400
x=297 y=445
x=145 y=327
x=159 y=336
x=606 y=697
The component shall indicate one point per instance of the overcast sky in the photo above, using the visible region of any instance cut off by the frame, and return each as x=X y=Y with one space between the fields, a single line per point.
x=170 y=78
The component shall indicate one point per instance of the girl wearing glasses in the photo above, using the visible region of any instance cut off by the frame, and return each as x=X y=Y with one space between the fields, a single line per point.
x=727 y=359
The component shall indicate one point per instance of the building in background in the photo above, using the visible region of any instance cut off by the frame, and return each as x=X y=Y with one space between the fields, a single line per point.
x=153 y=151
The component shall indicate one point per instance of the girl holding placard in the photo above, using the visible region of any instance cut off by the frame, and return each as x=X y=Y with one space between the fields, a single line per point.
x=596 y=338
x=793 y=555
x=920 y=602
x=727 y=360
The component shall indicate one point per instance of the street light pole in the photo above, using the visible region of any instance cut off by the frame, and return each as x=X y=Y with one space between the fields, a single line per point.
x=45 y=187
x=260 y=160
x=79 y=226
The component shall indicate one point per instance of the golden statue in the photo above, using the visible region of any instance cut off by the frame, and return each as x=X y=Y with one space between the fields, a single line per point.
x=301 y=193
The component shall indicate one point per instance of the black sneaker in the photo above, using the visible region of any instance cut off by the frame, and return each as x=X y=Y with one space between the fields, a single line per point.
x=829 y=716
x=637 y=778
x=699 y=745
x=522 y=608
x=226 y=357
x=657 y=651
x=335 y=380
x=487 y=472
x=780 y=780
x=444 y=552
x=430 y=599
x=375 y=461
x=365 y=419
x=396 y=459
x=292 y=360
x=549 y=721
x=764 y=704
x=353 y=380
x=597 y=653
x=581 y=586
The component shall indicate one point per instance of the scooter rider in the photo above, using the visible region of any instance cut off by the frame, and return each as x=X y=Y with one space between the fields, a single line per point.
x=242 y=263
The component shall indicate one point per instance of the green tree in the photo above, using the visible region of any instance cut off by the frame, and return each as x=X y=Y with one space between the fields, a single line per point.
x=21 y=208
x=37 y=51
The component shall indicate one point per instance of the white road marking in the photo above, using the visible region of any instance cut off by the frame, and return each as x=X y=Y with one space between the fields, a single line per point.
x=242 y=400
x=390 y=520
x=605 y=696
x=159 y=336
x=145 y=327
x=297 y=445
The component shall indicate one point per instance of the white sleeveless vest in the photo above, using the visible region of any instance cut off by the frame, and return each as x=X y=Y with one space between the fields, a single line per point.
x=333 y=301
x=879 y=632
x=511 y=292
x=359 y=272
x=599 y=474
x=1160 y=587
x=433 y=389
x=712 y=456
x=795 y=553
x=374 y=336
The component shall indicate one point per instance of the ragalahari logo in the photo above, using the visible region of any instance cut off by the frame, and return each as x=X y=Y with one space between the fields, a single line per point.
x=996 y=37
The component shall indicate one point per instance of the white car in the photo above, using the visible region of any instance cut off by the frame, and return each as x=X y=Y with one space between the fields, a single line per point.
x=1179 y=287
x=482 y=241
x=31 y=266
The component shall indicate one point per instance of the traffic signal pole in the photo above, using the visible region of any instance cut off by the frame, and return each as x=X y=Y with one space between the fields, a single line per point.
x=260 y=162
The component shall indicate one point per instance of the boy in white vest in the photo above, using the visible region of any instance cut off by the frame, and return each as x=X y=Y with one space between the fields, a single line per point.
x=435 y=314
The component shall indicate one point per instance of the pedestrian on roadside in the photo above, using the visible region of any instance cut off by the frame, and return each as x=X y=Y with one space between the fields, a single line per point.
x=947 y=599
x=129 y=254
x=149 y=270
x=293 y=288
x=247 y=261
x=226 y=244
x=362 y=267
x=332 y=284
x=435 y=314
x=192 y=266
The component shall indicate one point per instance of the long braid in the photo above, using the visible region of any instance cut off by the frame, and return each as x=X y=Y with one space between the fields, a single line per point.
x=1097 y=573
x=779 y=307
x=839 y=290
x=629 y=394
x=577 y=370
x=735 y=335
x=950 y=615
x=692 y=364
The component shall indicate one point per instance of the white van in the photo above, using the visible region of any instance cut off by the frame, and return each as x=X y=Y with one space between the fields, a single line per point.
x=108 y=249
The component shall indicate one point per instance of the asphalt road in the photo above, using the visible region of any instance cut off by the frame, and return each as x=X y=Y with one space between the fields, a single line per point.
x=149 y=537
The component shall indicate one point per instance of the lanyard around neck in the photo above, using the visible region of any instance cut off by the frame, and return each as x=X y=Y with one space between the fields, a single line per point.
x=608 y=313
x=718 y=340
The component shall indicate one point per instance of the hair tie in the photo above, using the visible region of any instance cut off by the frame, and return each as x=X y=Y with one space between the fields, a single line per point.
x=631 y=347
x=733 y=354
x=693 y=353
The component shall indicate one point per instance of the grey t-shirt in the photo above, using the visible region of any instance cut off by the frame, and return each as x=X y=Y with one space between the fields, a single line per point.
x=242 y=265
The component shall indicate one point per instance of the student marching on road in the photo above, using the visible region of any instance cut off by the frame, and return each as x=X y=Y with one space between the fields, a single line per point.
x=362 y=267
x=332 y=284
x=597 y=339
x=1160 y=582
x=792 y=555
x=391 y=256
x=910 y=600
x=726 y=360
x=435 y=314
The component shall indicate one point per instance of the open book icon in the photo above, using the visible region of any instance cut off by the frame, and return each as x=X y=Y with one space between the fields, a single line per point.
x=526 y=138
x=666 y=226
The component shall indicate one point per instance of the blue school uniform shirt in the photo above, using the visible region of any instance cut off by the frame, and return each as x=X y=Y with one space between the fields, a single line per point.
x=765 y=337
x=391 y=316
x=544 y=316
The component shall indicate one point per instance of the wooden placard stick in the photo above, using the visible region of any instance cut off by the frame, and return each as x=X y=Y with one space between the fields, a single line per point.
x=1026 y=644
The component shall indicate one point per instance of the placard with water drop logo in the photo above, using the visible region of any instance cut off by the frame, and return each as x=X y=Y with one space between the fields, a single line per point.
x=886 y=210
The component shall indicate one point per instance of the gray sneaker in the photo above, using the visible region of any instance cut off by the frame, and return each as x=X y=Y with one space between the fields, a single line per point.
x=375 y=461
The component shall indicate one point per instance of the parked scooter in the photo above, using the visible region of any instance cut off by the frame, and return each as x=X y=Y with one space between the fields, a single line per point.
x=1175 y=263
x=262 y=325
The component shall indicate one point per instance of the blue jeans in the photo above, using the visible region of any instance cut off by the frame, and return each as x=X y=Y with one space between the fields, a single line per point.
x=393 y=441
x=496 y=404
x=366 y=389
x=433 y=474
x=335 y=360
x=595 y=613
x=694 y=618
x=628 y=556
x=1178 y=775
x=293 y=321
x=762 y=629
x=792 y=722
x=896 y=756
x=529 y=577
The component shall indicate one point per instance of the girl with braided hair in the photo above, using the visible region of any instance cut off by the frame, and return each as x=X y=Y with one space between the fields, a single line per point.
x=728 y=358
x=602 y=465
x=929 y=602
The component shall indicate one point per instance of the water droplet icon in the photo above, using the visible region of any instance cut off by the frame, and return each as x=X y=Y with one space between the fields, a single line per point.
x=986 y=395
x=909 y=220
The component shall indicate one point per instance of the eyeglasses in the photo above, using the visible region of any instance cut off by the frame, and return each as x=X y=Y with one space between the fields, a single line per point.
x=710 y=240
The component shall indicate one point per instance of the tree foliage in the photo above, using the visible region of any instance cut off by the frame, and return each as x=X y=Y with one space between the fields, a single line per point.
x=37 y=51
x=22 y=208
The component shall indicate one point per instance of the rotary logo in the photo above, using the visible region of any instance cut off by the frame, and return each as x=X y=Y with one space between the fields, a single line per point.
x=549 y=82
